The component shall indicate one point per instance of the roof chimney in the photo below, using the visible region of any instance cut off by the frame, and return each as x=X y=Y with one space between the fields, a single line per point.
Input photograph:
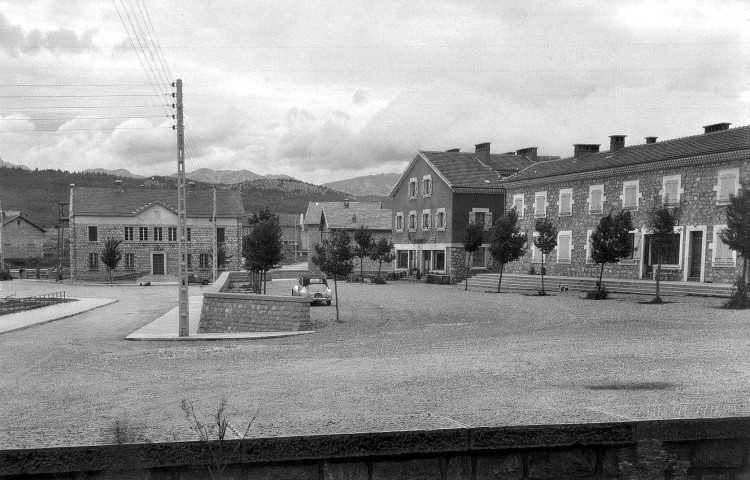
x=716 y=127
x=346 y=203
x=651 y=139
x=580 y=149
x=483 y=151
x=616 y=142
x=453 y=150
x=118 y=185
x=529 y=152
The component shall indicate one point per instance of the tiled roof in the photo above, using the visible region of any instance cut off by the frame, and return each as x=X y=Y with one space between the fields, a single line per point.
x=314 y=209
x=710 y=143
x=339 y=216
x=466 y=170
x=10 y=215
x=129 y=202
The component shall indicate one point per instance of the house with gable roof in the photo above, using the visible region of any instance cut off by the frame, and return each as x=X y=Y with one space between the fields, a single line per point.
x=145 y=219
x=696 y=173
x=322 y=218
x=22 y=238
x=438 y=195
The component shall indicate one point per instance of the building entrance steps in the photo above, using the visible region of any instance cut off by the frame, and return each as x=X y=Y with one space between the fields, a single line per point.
x=488 y=281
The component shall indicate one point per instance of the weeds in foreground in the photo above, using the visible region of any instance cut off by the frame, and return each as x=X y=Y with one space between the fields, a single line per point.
x=219 y=425
x=740 y=298
x=652 y=462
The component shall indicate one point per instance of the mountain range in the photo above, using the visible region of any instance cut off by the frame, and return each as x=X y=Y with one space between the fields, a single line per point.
x=10 y=165
x=379 y=184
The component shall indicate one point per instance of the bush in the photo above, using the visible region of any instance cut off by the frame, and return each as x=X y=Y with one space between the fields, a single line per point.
x=599 y=293
x=378 y=281
x=542 y=293
x=392 y=276
x=5 y=275
x=740 y=298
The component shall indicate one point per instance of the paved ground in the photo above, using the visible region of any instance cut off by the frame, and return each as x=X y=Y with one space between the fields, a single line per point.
x=407 y=356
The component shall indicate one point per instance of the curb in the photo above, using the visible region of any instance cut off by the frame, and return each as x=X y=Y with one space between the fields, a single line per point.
x=110 y=302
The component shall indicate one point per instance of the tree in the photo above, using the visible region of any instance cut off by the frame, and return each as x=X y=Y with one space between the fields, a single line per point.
x=382 y=251
x=473 y=238
x=506 y=241
x=737 y=233
x=261 y=249
x=363 y=245
x=334 y=257
x=222 y=257
x=264 y=214
x=661 y=221
x=546 y=241
x=111 y=255
x=610 y=241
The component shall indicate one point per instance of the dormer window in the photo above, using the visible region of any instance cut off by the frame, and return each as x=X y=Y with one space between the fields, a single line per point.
x=427 y=185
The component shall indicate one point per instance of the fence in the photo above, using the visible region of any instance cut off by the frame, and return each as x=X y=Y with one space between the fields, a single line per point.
x=10 y=305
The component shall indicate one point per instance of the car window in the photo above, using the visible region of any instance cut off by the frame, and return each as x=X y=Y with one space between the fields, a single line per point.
x=318 y=281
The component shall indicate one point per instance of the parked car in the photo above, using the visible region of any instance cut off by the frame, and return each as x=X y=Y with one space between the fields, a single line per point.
x=314 y=288
x=193 y=278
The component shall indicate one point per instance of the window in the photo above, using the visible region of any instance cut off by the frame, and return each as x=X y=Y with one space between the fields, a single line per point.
x=129 y=234
x=400 y=221
x=596 y=198
x=93 y=234
x=727 y=185
x=205 y=260
x=565 y=202
x=190 y=260
x=540 y=204
x=221 y=234
x=670 y=189
x=93 y=261
x=481 y=215
x=427 y=185
x=413 y=188
x=413 y=221
x=564 y=246
x=722 y=255
x=143 y=234
x=440 y=220
x=536 y=253
x=130 y=261
x=518 y=204
x=402 y=259
x=477 y=259
x=426 y=220
x=588 y=247
x=158 y=234
x=172 y=232
x=634 y=240
x=672 y=254
x=630 y=194
x=439 y=260
x=189 y=234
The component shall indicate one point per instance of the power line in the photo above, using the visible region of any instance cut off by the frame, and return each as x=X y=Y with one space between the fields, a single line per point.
x=74 y=118
x=63 y=107
x=80 y=129
x=74 y=85
x=81 y=96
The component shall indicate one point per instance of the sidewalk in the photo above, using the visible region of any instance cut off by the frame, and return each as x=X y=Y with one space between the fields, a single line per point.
x=166 y=328
x=39 y=316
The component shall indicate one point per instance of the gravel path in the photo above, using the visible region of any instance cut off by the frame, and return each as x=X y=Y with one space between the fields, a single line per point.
x=406 y=356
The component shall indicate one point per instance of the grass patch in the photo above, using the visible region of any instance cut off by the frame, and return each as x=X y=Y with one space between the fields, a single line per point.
x=632 y=386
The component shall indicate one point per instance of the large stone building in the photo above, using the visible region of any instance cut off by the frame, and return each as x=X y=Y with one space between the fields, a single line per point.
x=22 y=238
x=438 y=195
x=696 y=173
x=322 y=218
x=145 y=220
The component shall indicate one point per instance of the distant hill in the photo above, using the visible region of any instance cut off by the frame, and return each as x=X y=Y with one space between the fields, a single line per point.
x=120 y=172
x=37 y=193
x=10 y=165
x=227 y=177
x=379 y=184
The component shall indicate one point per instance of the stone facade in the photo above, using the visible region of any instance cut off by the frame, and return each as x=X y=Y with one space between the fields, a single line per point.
x=700 y=219
x=234 y=312
x=22 y=239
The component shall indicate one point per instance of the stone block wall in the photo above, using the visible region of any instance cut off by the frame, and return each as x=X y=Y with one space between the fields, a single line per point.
x=698 y=209
x=234 y=312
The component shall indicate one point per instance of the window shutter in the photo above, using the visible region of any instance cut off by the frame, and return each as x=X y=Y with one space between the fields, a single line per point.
x=471 y=217
x=539 y=205
x=565 y=203
x=563 y=249
x=488 y=220
x=670 y=191
x=596 y=200
x=636 y=245
x=630 y=195
x=519 y=206
x=726 y=186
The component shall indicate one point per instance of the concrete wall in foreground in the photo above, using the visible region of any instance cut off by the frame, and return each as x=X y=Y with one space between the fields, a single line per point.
x=716 y=449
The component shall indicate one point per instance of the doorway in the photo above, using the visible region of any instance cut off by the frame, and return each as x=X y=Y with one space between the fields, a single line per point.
x=696 y=256
x=157 y=264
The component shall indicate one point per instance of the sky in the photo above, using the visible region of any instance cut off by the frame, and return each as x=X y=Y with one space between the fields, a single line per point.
x=328 y=90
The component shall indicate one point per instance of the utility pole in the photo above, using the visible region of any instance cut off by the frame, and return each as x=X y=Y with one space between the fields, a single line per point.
x=184 y=311
x=2 y=249
x=215 y=256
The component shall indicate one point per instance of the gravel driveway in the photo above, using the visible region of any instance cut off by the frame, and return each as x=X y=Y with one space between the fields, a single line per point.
x=406 y=356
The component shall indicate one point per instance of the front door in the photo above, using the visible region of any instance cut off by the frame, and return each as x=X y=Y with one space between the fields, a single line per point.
x=696 y=250
x=427 y=261
x=158 y=261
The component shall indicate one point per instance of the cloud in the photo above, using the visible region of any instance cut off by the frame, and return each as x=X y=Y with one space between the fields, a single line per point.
x=14 y=40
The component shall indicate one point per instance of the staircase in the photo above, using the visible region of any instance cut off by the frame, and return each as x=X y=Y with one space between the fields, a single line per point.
x=488 y=282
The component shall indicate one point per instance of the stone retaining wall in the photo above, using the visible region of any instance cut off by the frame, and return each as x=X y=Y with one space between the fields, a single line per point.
x=716 y=449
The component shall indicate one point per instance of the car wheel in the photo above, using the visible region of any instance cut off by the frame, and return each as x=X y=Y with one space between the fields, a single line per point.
x=204 y=282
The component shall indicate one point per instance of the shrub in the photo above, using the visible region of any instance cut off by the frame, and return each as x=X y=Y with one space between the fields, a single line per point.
x=740 y=298
x=5 y=275
x=378 y=281
x=392 y=276
x=597 y=294
x=542 y=293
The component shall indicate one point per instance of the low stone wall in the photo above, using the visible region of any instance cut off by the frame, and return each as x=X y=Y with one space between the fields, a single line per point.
x=715 y=449
x=224 y=312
